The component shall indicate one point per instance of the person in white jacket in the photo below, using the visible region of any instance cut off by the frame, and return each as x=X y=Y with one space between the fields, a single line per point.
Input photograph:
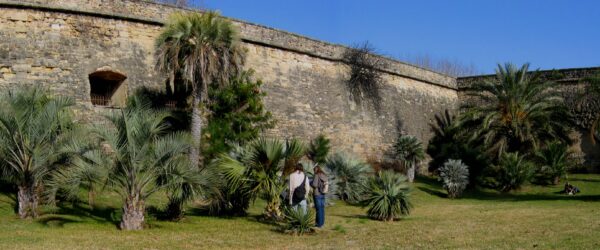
x=297 y=194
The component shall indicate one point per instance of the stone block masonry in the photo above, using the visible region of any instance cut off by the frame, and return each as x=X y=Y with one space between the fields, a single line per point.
x=59 y=43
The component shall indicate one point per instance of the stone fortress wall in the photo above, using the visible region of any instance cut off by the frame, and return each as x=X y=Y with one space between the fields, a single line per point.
x=62 y=44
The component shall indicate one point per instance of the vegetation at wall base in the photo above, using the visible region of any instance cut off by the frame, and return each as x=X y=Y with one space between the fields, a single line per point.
x=387 y=196
x=455 y=176
x=409 y=152
x=237 y=115
x=348 y=177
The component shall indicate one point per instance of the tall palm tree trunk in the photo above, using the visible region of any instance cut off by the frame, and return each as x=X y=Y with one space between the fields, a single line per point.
x=133 y=213
x=410 y=173
x=196 y=129
x=28 y=201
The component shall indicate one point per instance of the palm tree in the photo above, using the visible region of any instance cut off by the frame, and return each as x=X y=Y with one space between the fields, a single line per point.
x=409 y=151
x=593 y=92
x=203 y=49
x=257 y=171
x=36 y=139
x=517 y=110
x=142 y=158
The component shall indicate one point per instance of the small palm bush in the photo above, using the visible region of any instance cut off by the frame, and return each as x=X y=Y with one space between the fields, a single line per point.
x=348 y=177
x=554 y=162
x=455 y=176
x=387 y=196
x=298 y=222
x=318 y=149
x=409 y=151
x=512 y=171
x=37 y=138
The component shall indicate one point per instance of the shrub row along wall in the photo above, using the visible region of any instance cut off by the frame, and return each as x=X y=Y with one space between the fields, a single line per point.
x=66 y=45
x=585 y=110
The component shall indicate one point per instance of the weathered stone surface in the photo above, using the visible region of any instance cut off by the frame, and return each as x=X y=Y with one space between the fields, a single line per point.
x=58 y=43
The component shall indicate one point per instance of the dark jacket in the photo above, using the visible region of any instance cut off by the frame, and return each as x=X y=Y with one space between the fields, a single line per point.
x=318 y=181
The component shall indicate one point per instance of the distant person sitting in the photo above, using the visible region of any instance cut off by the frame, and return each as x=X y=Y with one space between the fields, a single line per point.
x=570 y=189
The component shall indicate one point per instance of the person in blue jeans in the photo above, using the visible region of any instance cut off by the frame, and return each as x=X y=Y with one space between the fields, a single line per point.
x=320 y=188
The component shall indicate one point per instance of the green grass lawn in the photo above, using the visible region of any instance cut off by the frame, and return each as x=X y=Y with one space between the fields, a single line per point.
x=536 y=217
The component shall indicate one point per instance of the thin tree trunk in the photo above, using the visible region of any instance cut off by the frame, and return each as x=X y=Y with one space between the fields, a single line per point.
x=410 y=173
x=196 y=128
x=28 y=202
x=174 y=211
x=272 y=211
x=133 y=214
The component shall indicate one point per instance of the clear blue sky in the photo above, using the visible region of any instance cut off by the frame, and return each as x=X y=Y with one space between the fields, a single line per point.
x=547 y=33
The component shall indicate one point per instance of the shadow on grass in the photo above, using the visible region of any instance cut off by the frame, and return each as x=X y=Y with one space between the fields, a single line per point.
x=495 y=196
x=67 y=210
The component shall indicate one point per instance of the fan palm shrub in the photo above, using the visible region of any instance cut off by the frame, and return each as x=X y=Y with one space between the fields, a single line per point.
x=409 y=151
x=37 y=138
x=142 y=158
x=517 y=111
x=204 y=49
x=452 y=140
x=318 y=149
x=554 y=161
x=512 y=171
x=387 y=196
x=256 y=171
x=297 y=222
x=455 y=176
x=348 y=177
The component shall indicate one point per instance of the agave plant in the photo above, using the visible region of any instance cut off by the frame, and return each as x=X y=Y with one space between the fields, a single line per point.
x=512 y=171
x=297 y=222
x=257 y=171
x=554 y=162
x=409 y=151
x=37 y=138
x=387 y=196
x=348 y=177
x=455 y=176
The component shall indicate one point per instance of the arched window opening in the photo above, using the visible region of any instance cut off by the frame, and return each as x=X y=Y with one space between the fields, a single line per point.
x=107 y=88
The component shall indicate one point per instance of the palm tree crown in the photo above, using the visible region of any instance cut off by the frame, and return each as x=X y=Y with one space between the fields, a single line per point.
x=203 y=49
x=517 y=110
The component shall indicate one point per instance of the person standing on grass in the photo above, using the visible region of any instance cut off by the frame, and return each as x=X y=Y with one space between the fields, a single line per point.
x=320 y=187
x=298 y=188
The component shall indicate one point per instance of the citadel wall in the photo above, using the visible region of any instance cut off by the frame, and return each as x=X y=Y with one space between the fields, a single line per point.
x=59 y=43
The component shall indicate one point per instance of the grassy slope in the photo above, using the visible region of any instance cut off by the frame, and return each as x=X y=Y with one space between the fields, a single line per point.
x=534 y=217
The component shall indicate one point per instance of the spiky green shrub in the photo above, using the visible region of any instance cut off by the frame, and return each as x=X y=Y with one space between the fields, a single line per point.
x=237 y=114
x=297 y=222
x=554 y=162
x=455 y=176
x=348 y=177
x=512 y=171
x=387 y=196
x=409 y=151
